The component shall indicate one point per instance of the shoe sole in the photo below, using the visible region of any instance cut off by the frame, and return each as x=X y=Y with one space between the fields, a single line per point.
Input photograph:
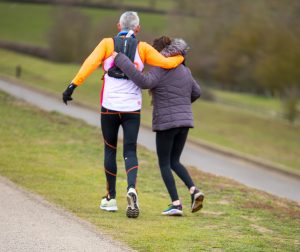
x=174 y=212
x=109 y=209
x=132 y=209
x=198 y=202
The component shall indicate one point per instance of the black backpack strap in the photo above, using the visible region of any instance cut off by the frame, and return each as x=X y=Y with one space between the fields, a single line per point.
x=118 y=44
x=126 y=45
x=131 y=48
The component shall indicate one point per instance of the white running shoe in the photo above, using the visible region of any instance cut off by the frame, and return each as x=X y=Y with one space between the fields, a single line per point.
x=133 y=210
x=109 y=205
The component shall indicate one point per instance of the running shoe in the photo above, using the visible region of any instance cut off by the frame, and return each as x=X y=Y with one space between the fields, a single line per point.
x=109 y=205
x=133 y=210
x=197 y=200
x=173 y=210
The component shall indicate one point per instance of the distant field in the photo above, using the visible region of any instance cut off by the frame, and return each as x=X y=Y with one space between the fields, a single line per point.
x=25 y=23
x=29 y=23
x=269 y=107
x=162 y=5
x=217 y=123
x=61 y=159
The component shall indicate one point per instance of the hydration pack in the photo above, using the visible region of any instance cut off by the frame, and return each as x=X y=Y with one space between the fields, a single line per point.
x=127 y=46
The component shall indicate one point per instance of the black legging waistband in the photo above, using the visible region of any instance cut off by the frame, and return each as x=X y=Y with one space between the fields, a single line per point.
x=109 y=111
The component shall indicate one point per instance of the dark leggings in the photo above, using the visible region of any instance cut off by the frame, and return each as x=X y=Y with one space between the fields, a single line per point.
x=169 y=146
x=110 y=124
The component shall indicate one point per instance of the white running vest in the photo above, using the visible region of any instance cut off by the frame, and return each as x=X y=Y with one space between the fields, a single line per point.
x=121 y=94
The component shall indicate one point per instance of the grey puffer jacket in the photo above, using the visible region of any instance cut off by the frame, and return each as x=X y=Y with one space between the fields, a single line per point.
x=173 y=90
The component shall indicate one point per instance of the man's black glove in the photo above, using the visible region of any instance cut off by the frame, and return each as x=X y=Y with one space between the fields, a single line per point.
x=66 y=96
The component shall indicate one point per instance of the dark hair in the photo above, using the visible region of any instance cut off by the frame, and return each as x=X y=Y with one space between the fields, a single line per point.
x=160 y=43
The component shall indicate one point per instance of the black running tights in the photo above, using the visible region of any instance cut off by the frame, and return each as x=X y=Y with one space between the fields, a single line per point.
x=169 y=146
x=110 y=124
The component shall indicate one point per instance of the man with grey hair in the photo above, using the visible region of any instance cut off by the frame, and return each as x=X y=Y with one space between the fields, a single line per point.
x=129 y=20
x=121 y=102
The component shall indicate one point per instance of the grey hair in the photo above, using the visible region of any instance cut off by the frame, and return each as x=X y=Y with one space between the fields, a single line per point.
x=177 y=47
x=129 y=20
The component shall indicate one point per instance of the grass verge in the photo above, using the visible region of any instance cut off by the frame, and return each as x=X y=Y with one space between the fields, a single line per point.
x=268 y=107
x=61 y=159
x=217 y=123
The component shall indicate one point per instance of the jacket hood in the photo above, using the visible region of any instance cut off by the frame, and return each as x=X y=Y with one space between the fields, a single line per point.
x=177 y=47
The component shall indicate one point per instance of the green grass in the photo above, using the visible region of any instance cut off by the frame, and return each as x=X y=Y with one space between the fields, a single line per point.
x=269 y=107
x=61 y=159
x=26 y=23
x=30 y=23
x=160 y=5
x=247 y=133
x=217 y=123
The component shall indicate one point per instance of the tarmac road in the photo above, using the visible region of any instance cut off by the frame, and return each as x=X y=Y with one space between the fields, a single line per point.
x=250 y=174
x=29 y=224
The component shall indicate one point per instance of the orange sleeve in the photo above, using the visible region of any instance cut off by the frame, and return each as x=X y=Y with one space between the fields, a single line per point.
x=103 y=50
x=152 y=57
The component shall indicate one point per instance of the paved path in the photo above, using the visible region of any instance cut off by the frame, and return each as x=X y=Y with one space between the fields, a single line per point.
x=29 y=223
x=247 y=173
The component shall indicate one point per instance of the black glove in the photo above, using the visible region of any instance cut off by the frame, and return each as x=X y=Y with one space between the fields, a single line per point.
x=66 y=96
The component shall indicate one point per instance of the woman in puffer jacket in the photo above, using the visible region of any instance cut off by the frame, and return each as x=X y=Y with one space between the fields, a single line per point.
x=173 y=92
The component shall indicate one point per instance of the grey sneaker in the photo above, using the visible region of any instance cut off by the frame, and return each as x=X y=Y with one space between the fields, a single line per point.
x=133 y=210
x=173 y=210
x=197 y=200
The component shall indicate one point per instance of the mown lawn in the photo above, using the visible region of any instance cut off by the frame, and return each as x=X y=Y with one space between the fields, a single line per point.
x=224 y=125
x=268 y=107
x=61 y=159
